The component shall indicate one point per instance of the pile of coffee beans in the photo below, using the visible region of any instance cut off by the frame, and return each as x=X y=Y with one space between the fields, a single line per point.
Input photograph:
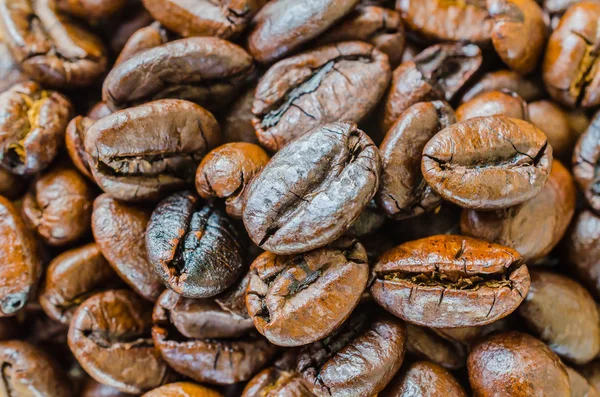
x=299 y=198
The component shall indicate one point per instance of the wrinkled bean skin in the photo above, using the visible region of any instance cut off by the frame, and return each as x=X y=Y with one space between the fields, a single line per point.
x=516 y=365
x=570 y=67
x=312 y=190
x=425 y=344
x=282 y=26
x=322 y=286
x=580 y=386
x=463 y=20
x=58 y=206
x=302 y=92
x=237 y=121
x=570 y=326
x=493 y=103
x=194 y=248
x=222 y=18
x=438 y=72
x=165 y=140
x=450 y=281
x=20 y=250
x=206 y=343
x=274 y=382
x=505 y=80
x=554 y=121
x=581 y=249
x=50 y=47
x=534 y=227
x=143 y=39
x=28 y=371
x=519 y=33
x=110 y=337
x=10 y=74
x=424 y=379
x=74 y=141
x=72 y=277
x=206 y=70
x=403 y=193
x=376 y=25
x=227 y=171
x=91 y=10
x=127 y=254
x=32 y=127
x=488 y=163
x=182 y=389
x=358 y=359
x=586 y=157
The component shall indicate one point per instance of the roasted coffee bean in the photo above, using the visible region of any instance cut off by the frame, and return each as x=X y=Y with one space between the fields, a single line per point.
x=570 y=67
x=358 y=359
x=130 y=21
x=534 y=227
x=569 y=325
x=519 y=32
x=110 y=337
x=376 y=25
x=274 y=382
x=493 y=103
x=96 y=389
x=237 y=121
x=91 y=10
x=426 y=344
x=297 y=300
x=487 y=162
x=424 y=379
x=49 y=46
x=98 y=111
x=29 y=371
x=11 y=185
x=200 y=340
x=182 y=389
x=448 y=20
x=403 y=192
x=303 y=92
x=224 y=18
x=10 y=74
x=586 y=158
x=58 y=206
x=21 y=258
x=32 y=127
x=74 y=141
x=450 y=281
x=127 y=254
x=554 y=121
x=193 y=247
x=516 y=365
x=145 y=152
x=226 y=171
x=206 y=70
x=581 y=249
x=312 y=191
x=282 y=26
x=580 y=387
x=505 y=80
x=71 y=278
x=234 y=299
x=369 y=221
x=438 y=72
x=143 y=39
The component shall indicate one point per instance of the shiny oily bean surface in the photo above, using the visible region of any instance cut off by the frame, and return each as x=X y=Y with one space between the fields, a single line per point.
x=586 y=158
x=74 y=141
x=297 y=300
x=275 y=382
x=91 y=10
x=222 y=18
x=450 y=281
x=312 y=191
x=49 y=46
x=570 y=67
x=358 y=359
x=32 y=127
x=554 y=121
x=206 y=343
x=193 y=247
x=282 y=26
x=110 y=337
x=509 y=80
x=58 y=206
x=226 y=172
x=488 y=162
x=569 y=325
x=28 y=371
x=145 y=38
x=182 y=389
x=93 y=388
x=534 y=227
x=206 y=70
x=127 y=253
x=403 y=193
x=582 y=249
x=424 y=379
x=303 y=92
x=516 y=365
x=493 y=103
x=20 y=250
x=427 y=344
x=145 y=152
x=71 y=278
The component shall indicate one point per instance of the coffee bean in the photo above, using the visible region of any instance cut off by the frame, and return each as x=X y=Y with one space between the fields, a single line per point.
x=182 y=389
x=505 y=80
x=429 y=344
x=424 y=379
x=581 y=249
x=585 y=159
x=493 y=103
x=274 y=382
